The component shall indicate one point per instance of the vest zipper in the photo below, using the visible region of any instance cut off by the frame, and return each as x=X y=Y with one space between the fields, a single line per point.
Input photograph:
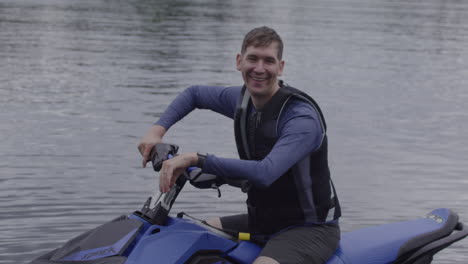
x=258 y=117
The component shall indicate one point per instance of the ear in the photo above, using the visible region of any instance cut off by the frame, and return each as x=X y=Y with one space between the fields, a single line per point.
x=238 y=61
x=281 y=67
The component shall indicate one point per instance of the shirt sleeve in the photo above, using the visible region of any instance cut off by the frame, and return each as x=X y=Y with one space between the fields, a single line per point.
x=300 y=133
x=219 y=99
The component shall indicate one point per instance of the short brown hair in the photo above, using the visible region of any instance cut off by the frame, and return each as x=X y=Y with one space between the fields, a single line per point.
x=262 y=37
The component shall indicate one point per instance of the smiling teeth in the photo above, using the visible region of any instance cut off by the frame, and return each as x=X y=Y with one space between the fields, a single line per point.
x=257 y=79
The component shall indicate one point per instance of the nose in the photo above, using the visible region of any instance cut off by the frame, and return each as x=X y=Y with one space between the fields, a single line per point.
x=259 y=67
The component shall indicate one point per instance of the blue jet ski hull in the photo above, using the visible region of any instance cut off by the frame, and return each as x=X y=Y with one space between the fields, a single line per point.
x=134 y=240
x=150 y=236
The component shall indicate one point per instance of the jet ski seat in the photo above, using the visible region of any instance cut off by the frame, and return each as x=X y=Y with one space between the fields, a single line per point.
x=414 y=241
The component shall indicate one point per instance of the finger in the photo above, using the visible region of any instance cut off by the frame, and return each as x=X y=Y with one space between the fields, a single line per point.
x=140 y=148
x=167 y=180
x=145 y=154
x=169 y=175
x=161 y=179
x=174 y=177
x=161 y=182
x=164 y=184
x=165 y=174
x=161 y=187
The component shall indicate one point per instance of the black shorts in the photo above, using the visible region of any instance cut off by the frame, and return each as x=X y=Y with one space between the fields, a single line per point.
x=305 y=244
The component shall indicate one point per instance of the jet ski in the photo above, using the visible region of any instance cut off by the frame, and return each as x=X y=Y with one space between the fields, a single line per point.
x=152 y=236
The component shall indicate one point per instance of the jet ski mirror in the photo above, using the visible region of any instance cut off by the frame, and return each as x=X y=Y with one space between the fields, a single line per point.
x=210 y=181
x=202 y=180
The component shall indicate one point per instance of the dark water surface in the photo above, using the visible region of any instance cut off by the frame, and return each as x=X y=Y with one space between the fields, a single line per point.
x=81 y=81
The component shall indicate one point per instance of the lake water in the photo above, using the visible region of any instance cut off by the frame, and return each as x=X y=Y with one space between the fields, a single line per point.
x=82 y=81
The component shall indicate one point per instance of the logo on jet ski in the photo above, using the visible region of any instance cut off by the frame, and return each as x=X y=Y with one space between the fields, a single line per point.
x=436 y=218
x=105 y=251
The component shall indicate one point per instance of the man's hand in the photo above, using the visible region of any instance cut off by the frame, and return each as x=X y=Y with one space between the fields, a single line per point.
x=173 y=168
x=151 y=138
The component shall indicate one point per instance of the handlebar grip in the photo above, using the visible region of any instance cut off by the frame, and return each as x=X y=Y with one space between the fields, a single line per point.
x=160 y=153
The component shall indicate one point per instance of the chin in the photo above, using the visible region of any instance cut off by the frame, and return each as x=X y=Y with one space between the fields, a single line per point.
x=256 y=90
x=258 y=93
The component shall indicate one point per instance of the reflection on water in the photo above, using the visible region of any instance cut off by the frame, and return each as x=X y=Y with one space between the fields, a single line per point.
x=80 y=82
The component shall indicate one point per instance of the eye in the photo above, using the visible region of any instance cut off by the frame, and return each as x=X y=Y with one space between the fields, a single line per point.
x=251 y=58
x=270 y=60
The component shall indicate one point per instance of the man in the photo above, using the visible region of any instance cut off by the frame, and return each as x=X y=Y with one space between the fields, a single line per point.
x=281 y=139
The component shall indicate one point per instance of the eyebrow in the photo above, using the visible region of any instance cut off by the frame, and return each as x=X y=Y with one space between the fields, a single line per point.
x=266 y=57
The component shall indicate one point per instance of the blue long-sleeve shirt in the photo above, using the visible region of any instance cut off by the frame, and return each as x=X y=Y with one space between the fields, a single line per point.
x=299 y=133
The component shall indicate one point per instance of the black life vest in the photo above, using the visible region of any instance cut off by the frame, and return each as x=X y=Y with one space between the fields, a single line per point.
x=305 y=193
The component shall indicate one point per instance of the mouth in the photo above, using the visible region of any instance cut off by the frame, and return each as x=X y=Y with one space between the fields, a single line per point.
x=259 y=78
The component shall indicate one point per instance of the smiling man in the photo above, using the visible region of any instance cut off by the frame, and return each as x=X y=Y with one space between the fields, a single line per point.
x=282 y=143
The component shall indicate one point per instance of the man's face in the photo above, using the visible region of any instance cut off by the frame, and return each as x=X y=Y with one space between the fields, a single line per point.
x=260 y=67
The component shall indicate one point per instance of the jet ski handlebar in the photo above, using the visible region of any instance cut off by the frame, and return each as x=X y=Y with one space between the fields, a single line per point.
x=162 y=152
x=163 y=204
x=158 y=213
